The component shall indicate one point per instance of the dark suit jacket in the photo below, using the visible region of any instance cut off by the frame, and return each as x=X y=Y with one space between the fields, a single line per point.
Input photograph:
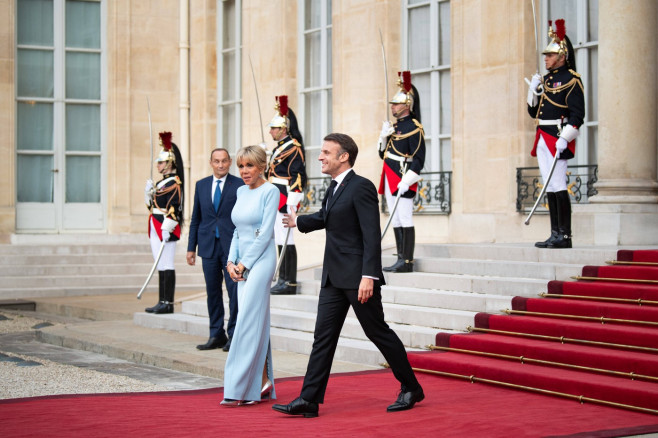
x=353 y=243
x=204 y=217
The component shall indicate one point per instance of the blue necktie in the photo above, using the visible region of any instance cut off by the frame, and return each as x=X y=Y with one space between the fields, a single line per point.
x=215 y=202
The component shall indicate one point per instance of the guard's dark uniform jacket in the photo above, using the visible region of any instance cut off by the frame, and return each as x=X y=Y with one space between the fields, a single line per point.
x=405 y=150
x=167 y=203
x=563 y=97
x=287 y=169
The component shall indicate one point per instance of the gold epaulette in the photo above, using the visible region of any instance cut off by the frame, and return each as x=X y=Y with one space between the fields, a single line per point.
x=296 y=143
x=575 y=73
x=178 y=181
x=417 y=123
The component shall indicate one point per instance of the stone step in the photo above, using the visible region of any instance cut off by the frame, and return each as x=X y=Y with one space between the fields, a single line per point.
x=76 y=281
x=506 y=268
x=25 y=273
x=468 y=283
x=349 y=350
x=76 y=249
x=415 y=325
x=518 y=252
x=65 y=291
x=80 y=259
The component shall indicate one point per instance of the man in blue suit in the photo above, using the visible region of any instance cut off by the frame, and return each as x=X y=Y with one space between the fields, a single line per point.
x=211 y=230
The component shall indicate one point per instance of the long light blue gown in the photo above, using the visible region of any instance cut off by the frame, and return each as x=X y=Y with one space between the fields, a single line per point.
x=253 y=245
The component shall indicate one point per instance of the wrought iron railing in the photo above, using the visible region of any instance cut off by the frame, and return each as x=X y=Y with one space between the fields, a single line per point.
x=432 y=197
x=580 y=185
x=314 y=194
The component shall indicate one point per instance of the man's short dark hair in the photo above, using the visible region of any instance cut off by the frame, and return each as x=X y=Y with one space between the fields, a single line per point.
x=220 y=149
x=346 y=144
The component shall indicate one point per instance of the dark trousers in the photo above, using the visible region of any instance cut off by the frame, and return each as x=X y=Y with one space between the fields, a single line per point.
x=333 y=305
x=212 y=272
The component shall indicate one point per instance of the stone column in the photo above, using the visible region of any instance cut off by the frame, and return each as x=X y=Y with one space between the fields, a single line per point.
x=627 y=102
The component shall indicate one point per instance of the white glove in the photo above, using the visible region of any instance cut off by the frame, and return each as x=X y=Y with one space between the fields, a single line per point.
x=165 y=236
x=294 y=198
x=536 y=80
x=148 y=192
x=263 y=145
x=560 y=146
x=387 y=129
x=168 y=224
x=402 y=188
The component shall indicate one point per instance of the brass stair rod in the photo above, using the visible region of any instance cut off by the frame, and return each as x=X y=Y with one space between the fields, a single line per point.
x=601 y=319
x=564 y=340
x=524 y=360
x=621 y=280
x=580 y=398
x=620 y=262
x=639 y=301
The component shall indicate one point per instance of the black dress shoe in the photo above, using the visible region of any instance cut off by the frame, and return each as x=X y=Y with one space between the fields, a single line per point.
x=407 y=400
x=298 y=406
x=227 y=346
x=213 y=343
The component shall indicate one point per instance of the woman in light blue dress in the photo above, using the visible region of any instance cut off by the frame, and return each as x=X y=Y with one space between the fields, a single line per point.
x=248 y=374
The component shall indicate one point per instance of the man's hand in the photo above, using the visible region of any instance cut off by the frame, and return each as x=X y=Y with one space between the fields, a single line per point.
x=534 y=83
x=366 y=288
x=289 y=220
x=387 y=129
x=560 y=146
x=191 y=258
x=402 y=188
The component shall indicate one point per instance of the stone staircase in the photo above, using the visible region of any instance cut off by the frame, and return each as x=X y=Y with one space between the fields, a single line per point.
x=451 y=284
x=93 y=265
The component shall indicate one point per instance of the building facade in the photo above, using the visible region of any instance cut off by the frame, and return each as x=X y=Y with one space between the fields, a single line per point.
x=84 y=84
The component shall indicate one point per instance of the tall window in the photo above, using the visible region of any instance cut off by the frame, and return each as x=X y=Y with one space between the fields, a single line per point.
x=58 y=89
x=315 y=78
x=582 y=25
x=60 y=114
x=229 y=73
x=426 y=53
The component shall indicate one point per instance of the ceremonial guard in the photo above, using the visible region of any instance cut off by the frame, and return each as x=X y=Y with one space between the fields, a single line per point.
x=287 y=171
x=165 y=202
x=557 y=103
x=402 y=147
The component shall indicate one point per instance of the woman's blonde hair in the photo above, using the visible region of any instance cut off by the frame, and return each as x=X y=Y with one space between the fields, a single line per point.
x=252 y=154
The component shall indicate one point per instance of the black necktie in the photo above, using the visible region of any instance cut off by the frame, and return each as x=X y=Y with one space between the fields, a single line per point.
x=330 y=190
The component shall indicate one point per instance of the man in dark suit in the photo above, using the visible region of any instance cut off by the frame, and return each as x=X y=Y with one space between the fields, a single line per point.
x=211 y=229
x=351 y=276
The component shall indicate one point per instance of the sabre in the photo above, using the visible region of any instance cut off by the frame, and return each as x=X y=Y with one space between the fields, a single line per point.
x=534 y=22
x=148 y=105
x=155 y=265
x=260 y=116
x=381 y=40
x=283 y=252
x=543 y=190
x=390 y=218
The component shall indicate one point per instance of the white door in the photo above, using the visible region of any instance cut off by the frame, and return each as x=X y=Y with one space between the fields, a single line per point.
x=60 y=116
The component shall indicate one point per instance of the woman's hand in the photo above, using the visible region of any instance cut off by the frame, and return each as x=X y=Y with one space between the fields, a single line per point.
x=235 y=271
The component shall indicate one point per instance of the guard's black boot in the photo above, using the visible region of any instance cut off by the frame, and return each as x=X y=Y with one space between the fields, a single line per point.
x=564 y=221
x=552 y=210
x=289 y=269
x=169 y=290
x=408 y=245
x=399 y=263
x=160 y=293
x=281 y=281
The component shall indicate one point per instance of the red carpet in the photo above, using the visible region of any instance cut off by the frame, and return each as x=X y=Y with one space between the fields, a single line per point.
x=355 y=406
x=594 y=340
